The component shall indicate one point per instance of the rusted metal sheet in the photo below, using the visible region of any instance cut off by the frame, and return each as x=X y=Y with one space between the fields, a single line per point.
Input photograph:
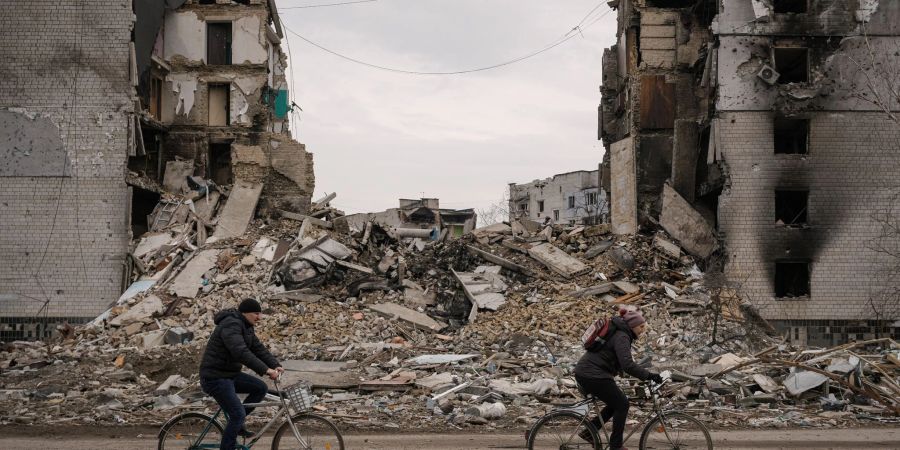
x=657 y=103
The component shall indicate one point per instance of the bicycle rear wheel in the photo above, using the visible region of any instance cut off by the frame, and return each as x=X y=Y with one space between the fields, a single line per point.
x=563 y=430
x=190 y=431
x=316 y=433
x=675 y=430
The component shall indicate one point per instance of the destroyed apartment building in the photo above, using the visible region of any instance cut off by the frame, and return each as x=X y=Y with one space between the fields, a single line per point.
x=572 y=198
x=119 y=118
x=768 y=126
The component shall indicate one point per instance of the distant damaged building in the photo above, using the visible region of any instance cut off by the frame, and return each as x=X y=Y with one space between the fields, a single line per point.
x=106 y=106
x=572 y=198
x=770 y=125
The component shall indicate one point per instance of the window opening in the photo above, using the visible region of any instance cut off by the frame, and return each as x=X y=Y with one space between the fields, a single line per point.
x=143 y=202
x=571 y=201
x=218 y=105
x=791 y=279
x=791 y=136
x=155 y=97
x=540 y=206
x=792 y=64
x=218 y=43
x=790 y=6
x=591 y=198
x=791 y=208
x=220 y=163
x=555 y=214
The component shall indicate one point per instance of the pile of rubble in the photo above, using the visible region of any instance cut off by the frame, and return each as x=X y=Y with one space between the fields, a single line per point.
x=403 y=328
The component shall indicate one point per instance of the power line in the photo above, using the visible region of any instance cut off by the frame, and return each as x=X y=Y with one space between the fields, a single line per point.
x=413 y=72
x=579 y=27
x=326 y=4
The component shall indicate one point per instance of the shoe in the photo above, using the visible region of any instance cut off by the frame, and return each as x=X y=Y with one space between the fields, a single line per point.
x=245 y=433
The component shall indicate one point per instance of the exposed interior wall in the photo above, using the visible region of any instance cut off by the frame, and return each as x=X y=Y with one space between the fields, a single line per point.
x=65 y=130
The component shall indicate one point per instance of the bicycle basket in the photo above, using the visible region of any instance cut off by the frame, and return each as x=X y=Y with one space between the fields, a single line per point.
x=300 y=397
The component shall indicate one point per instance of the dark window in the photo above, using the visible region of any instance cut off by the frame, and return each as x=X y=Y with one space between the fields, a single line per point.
x=571 y=201
x=555 y=214
x=791 y=135
x=523 y=206
x=540 y=206
x=218 y=43
x=792 y=64
x=791 y=279
x=218 y=105
x=220 y=163
x=591 y=198
x=791 y=208
x=155 y=97
x=790 y=6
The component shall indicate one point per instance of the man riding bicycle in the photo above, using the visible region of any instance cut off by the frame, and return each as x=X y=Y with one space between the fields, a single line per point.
x=232 y=344
x=596 y=370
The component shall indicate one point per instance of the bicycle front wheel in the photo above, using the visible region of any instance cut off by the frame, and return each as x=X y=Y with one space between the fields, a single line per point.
x=190 y=431
x=563 y=430
x=315 y=433
x=675 y=431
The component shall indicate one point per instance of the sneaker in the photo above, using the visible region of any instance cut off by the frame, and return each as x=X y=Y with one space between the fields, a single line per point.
x=245 y=433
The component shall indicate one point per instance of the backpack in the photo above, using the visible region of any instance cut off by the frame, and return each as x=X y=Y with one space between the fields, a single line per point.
x=597 y=334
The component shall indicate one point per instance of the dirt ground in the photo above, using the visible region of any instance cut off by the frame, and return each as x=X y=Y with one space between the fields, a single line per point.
x=82 y=438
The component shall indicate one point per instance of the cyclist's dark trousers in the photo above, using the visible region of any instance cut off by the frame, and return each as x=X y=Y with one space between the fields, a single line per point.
x=616 y=405
x=225 y=391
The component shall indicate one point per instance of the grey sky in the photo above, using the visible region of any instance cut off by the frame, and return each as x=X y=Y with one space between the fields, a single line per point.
x=378 y=136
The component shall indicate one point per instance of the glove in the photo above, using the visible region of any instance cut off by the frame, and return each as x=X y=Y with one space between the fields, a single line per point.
x=656 y=378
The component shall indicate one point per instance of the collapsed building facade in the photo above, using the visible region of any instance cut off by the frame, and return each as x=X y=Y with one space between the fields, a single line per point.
x=420 y=214
x=774 y=122
x=105 y=112
x=568 y=198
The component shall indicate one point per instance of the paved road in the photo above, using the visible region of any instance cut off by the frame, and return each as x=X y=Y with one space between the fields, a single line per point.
x=103 y=439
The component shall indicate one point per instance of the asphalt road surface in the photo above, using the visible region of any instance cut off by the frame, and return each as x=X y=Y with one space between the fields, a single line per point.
x=82 y=438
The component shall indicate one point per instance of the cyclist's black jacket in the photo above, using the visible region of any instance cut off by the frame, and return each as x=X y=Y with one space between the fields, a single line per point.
x=613 y=357
x=232 y=344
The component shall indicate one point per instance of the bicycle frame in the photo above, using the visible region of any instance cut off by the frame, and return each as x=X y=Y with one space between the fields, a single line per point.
x=283 y=412
x=596 y=403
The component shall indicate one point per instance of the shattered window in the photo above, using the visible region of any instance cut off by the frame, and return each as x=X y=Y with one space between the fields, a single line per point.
x=790 y=6
x=791 y=278
x=791 y=136
x=792 y=64
x=523 y=206
x=791 y=208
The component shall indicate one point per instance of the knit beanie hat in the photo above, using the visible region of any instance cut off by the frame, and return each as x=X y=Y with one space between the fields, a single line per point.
x=632 y=318
x=249 y=305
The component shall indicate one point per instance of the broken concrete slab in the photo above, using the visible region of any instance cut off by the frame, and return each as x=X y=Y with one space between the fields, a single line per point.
x=558 y=260
x=593 y=290
x=766 y=383
x=592 y=252
x=151 y=242
x=802 y=381
x=140 y=313
x=684 y=223
x=497 y=228
x=427 y=360
x=190 y=280
x=669 y=247
x=407 y=315
x=483 y=289
x=324 y=252
x=626 y=287
x=417 y=297
x=238 y=210
x=623 y=187
x=505 y=263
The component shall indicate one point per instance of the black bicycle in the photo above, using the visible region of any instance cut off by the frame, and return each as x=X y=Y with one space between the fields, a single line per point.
x=570 y=427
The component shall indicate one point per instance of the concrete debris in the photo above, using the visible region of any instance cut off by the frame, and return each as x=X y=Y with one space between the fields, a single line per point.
x=388 y=334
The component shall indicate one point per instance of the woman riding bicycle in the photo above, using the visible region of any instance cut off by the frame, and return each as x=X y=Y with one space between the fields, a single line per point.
x=596 y=371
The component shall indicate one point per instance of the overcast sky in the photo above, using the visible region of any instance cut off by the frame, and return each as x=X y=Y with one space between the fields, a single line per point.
x=378 y=136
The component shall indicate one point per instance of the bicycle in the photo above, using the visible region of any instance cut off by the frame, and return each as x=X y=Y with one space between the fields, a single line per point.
x=666 y=429
x=195 y=430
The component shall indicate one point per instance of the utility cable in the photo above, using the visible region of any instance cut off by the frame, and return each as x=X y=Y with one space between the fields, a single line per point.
x=558 y=42
x=326 y=4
